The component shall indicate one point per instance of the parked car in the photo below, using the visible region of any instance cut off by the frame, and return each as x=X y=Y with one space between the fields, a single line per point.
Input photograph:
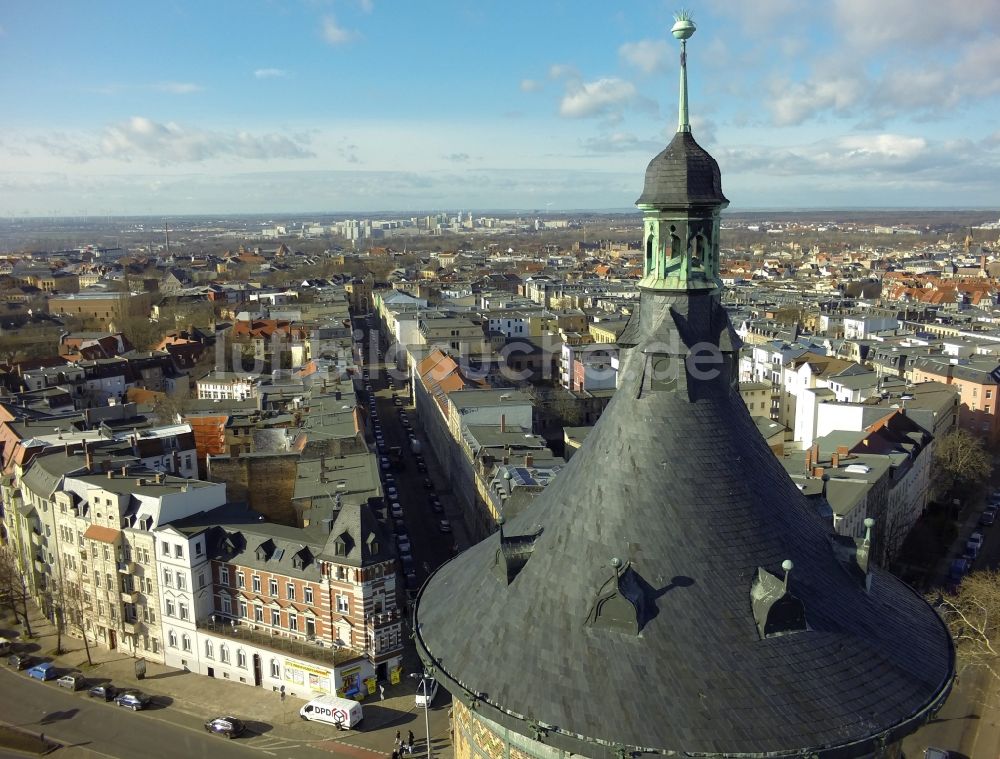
x=20 y=661
x=427 y=689
x=987 y=518
x=436 y=506
x=396 y=510
x=977 y=538
x=422 y=467
x=428 y=483
x=73 y=681
x=403 y=541
x=390 y=492
x=6 y=646
x=384 y=462
x=936 y=753
x=133 y=699
x=397 y=402
x=957 y=570
x=411 y=580
x=444 y=526
x=227 y=726
x=44 y=671
x=104 y=691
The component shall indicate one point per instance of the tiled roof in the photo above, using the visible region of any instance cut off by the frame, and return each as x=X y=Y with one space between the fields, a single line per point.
x=677 y=483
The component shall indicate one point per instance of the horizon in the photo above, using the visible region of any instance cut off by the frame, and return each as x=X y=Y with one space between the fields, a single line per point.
x=844 y=105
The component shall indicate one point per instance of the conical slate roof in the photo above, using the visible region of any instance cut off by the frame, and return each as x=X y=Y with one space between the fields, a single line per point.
x=683 y=173
x=691 y=644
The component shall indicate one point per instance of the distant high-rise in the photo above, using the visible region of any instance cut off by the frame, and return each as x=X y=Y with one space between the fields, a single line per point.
x=671 y=591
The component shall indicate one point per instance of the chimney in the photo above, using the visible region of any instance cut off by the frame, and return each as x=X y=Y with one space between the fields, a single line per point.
x=818 y=471
x=809 y=460
x=124 y=471
x=111 y=475
x=322 y=468
x=843 y=451
x=503 y=422
x=529 y=460
x=836 y=460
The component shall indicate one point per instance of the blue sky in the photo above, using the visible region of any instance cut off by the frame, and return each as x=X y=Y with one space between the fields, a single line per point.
x=368 y=105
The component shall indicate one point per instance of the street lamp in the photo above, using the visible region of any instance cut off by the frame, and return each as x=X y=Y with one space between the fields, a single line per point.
x=424 y=676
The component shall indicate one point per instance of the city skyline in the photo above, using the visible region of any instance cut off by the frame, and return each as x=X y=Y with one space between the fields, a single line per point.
x=364 y=106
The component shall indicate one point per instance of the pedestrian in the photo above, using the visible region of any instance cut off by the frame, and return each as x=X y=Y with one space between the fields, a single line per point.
x=399 y=740
x=381 y=692
x=409 y=744
x=395 y=753
x=410 y=737
x=282 y=692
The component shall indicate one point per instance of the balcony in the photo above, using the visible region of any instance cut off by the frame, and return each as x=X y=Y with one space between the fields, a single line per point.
x=261 y=635
x=134 y=627
x=383 y=618
x=126 y=567
x=36 y=538
x=39 y=566
x=129 y=596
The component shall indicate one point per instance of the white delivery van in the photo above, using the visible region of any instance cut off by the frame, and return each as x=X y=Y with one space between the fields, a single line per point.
x=341 y=712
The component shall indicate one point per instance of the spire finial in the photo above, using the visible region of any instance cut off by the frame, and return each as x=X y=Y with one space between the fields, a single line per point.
x=682 y=29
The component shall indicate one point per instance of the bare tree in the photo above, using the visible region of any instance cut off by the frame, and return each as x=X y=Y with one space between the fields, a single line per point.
x=74 y=608
x=14 y=586
x=973 y=617
x=961 y=465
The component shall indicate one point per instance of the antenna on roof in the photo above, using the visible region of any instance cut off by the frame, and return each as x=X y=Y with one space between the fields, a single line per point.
x=787 y=566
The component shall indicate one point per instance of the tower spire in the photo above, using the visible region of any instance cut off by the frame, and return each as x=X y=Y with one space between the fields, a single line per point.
x=682 y=29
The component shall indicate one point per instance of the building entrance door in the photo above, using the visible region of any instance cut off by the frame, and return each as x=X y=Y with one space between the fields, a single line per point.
x=111 y=639
x=256 y=670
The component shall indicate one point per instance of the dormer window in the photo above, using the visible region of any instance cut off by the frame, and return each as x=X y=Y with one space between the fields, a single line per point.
x=339 y=547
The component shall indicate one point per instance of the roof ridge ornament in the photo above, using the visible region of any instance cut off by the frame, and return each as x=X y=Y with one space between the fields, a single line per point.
x=682 y=29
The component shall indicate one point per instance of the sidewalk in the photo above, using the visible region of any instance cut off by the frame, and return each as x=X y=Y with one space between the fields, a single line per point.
x=205 y=697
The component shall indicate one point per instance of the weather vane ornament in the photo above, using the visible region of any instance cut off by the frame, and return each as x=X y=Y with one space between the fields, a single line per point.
x=682 y=29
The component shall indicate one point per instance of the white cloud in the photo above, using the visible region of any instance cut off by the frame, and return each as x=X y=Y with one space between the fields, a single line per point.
x=367 y=5
x=531 y=85
x=602 y=97
x=270 y=73
x=563 y=70
x=873 y=26
x=621 y=142
x=334 y=33
x=648 y=56
x=141 y=138
x=178 y=88
x=458 y=157
x=794 y=103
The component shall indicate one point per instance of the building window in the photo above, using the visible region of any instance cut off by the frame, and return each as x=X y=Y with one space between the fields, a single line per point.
x=224 y=575
x=275 y=669
x=224 y=653
x=343 y=605
x=197 y=548
x=168 y=577
x=170 y=608
x=272 y=586
x=181 y=581
x=309 y=595
x=241 y=658
x=209 y=650
x=256 y=584
x=182 y=610
x=258 y=613
x=227 y=605
x=241 y=580
x=201 y=580
x=178 y=551
x=172 y=639
x=165 y=550
x=290 y=591
x=186 y=642
x=275 y=617
x=293 y=622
